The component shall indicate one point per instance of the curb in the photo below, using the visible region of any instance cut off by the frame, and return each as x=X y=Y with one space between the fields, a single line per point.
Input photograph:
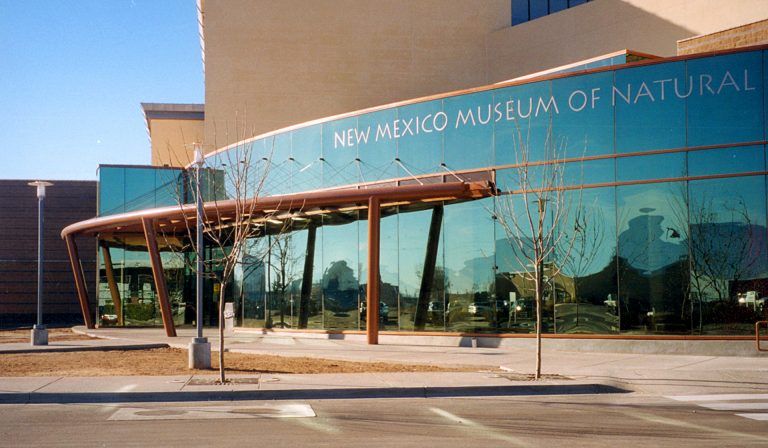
x=84 y=348
x=308 y=394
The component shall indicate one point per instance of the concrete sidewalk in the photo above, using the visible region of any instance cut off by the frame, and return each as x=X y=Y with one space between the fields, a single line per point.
x=585 y=372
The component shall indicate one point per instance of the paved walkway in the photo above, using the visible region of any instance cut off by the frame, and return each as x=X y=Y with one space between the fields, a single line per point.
x=587 y=372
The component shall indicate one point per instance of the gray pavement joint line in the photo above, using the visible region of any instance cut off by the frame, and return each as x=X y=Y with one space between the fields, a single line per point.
x=47 y=384
x=622 y=359
x=710 y=358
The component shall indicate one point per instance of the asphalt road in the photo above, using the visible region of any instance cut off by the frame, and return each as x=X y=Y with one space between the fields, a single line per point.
x=610 y=420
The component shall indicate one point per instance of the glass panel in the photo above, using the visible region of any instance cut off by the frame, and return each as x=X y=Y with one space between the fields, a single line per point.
x=525 y=122
x=139 y=188
x=519 y=11
x=376 y=152
x=341 y=139
x=650 y=107
x=111 y=190
x=557 y=5
x=169 y=188
x=469 y=135
x=515 y=287
x=539 y=8
x=729 y=255
x=389 y=297
x=658 y=166
x=653 y=257
x=340 y=283
x=419 y=297
x=424 y=154
x=589 y=172
x=278 y=166
x=584 y=124
x=586 y=287
x=469 y=267
x=726 y=103
x=727 y=160
x=306 y=153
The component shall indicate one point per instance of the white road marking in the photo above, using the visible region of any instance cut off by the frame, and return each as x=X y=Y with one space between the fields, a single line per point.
x=720 y=397
x=214 y=412
x=757 y=406
x=730 y=402
x=755 y=416
x=485 y=430
x=127 y=388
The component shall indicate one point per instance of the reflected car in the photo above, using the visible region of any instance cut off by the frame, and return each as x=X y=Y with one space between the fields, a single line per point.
x=383 y=312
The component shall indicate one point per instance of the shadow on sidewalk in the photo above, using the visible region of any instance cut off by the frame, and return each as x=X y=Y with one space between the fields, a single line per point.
x=308 y=394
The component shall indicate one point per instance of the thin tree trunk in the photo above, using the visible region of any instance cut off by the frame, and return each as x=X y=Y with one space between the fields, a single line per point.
x=222 y=378
x=538 y=321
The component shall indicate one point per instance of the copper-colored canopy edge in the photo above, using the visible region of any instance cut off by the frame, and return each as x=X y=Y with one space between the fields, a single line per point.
x=294 y=201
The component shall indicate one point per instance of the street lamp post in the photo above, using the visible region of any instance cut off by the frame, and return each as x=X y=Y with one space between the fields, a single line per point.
x=199 y=348
x=39 y=332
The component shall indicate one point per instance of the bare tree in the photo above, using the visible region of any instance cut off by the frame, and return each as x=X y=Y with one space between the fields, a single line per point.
x=230 y=183
x=534 y=215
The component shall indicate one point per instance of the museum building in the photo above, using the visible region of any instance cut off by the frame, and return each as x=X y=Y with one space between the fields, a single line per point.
x=662 y=161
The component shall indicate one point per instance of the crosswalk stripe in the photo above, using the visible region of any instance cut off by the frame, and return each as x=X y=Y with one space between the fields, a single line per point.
x=721 y=397
x=755 y=416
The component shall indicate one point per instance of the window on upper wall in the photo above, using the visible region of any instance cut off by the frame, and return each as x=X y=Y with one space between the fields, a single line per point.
x=527 y=10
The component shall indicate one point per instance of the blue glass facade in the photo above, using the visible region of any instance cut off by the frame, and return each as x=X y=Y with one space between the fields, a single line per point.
x=671 y=158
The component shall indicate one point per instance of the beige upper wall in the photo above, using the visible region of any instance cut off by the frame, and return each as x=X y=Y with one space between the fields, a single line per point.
x=603 y=26
x=271 y=64
x=172 y=140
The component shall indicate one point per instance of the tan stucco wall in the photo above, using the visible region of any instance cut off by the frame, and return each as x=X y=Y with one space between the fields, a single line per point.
x=603 y=26
x=271 y=64
x=740 y=36
x=284 y=62
x=172 y=139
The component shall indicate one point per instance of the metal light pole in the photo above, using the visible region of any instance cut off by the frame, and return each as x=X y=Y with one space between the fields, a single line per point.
x=199 y=348
x=39 y=332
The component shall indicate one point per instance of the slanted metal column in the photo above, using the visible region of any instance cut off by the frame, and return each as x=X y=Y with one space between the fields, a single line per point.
x=114 y=292
x=428 y=272
x=157 y=272
x=306 y=280
x=372 y=297
x=77 y=271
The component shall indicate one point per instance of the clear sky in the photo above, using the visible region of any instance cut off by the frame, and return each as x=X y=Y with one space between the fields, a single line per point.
x=74 y=72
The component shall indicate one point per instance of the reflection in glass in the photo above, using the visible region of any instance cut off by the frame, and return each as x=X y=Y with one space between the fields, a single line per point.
x=650 y=107
x=657 y=166
x=653 y=257
x=340 y=286
x=728 y=249
x=586 y=302
x=469 y=261
x=726 y=160
x=726 y=105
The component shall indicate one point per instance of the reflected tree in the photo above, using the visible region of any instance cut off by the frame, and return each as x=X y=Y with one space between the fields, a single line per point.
x=537 y=216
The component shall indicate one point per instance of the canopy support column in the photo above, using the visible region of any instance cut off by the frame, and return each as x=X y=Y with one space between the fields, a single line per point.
x=372 y=296
x=114 y=292
x=77 y=271
x=159 y=274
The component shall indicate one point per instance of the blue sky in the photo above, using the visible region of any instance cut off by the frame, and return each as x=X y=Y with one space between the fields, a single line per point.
x=73 y=74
